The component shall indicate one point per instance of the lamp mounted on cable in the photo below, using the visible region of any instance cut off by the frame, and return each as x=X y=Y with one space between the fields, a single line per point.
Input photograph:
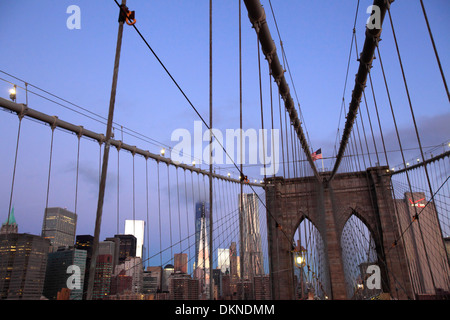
x=12 y=94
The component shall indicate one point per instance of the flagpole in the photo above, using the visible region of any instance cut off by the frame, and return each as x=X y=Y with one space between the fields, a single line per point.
x=323 y=169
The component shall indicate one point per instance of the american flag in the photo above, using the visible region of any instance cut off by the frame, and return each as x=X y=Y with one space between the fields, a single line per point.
x=317 y=155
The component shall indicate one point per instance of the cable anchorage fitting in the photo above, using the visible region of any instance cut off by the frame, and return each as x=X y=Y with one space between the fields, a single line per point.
x=126 y=15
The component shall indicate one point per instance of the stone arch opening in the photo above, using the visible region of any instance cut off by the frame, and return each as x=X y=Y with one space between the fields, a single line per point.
x=311 y=280
x=359 y=252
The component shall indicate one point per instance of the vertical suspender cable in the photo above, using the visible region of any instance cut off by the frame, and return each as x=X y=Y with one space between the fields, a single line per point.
x=187 y=214
x=159 y=217
x=282 y=140
x=261 y=102
x=170 y=213
x=211 y=279
x=179 y=211
x=287 y=142
x=146 y=197
x=101 y=193
x=134 y=198
x=78 y=167
x=48 y=181
x=404 y=163
x=272 y=132
x=118 y=191
x=379 y=122
x=241 y=197
x=134 y=209
x=414 y=121
x=14 y=170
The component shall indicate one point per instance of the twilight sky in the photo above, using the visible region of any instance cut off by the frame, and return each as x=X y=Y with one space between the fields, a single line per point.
x=77 y=65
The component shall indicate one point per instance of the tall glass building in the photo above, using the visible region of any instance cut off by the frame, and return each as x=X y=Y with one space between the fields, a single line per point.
x=56 y=276
x=202 y=247
x=137 y=229
x=223 y=258
x=59 y=227
x=202 y=235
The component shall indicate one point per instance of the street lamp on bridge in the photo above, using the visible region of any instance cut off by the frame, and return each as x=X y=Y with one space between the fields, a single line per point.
x=12 y=94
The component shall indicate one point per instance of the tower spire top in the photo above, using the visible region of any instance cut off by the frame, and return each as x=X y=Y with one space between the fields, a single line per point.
x=11 y=219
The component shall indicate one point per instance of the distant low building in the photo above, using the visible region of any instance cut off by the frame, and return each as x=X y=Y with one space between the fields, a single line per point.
x=56 y=273
x=121 y=283
x=183 y=287
x=132 y=267
x=151 y=282
x=262 y=287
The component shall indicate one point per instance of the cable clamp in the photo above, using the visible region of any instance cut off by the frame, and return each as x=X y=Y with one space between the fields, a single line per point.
x=244 y=179
x=126 y=15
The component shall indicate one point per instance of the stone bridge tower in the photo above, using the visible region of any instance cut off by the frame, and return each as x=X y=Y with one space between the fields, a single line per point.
x=328 y=206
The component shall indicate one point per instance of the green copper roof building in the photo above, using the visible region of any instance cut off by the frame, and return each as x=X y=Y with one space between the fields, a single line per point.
x=10 y=225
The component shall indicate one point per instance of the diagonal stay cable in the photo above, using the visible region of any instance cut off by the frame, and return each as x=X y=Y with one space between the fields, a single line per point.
x=181 y=91
x=198 y=113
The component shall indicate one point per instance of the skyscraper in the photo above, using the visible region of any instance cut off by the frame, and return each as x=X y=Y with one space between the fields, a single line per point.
x=115 y=247
x=127 y=246
x=202 y=235
x=59 y=227
x=202 y=247
x=23 y=260
x=253 y=259
x=84 y=242
x=136 y=228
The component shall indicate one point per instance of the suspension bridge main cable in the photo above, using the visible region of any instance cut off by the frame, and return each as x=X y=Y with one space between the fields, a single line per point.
x=285 y=60
x=258 y=20
x=366 y=58
x=348 y=69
